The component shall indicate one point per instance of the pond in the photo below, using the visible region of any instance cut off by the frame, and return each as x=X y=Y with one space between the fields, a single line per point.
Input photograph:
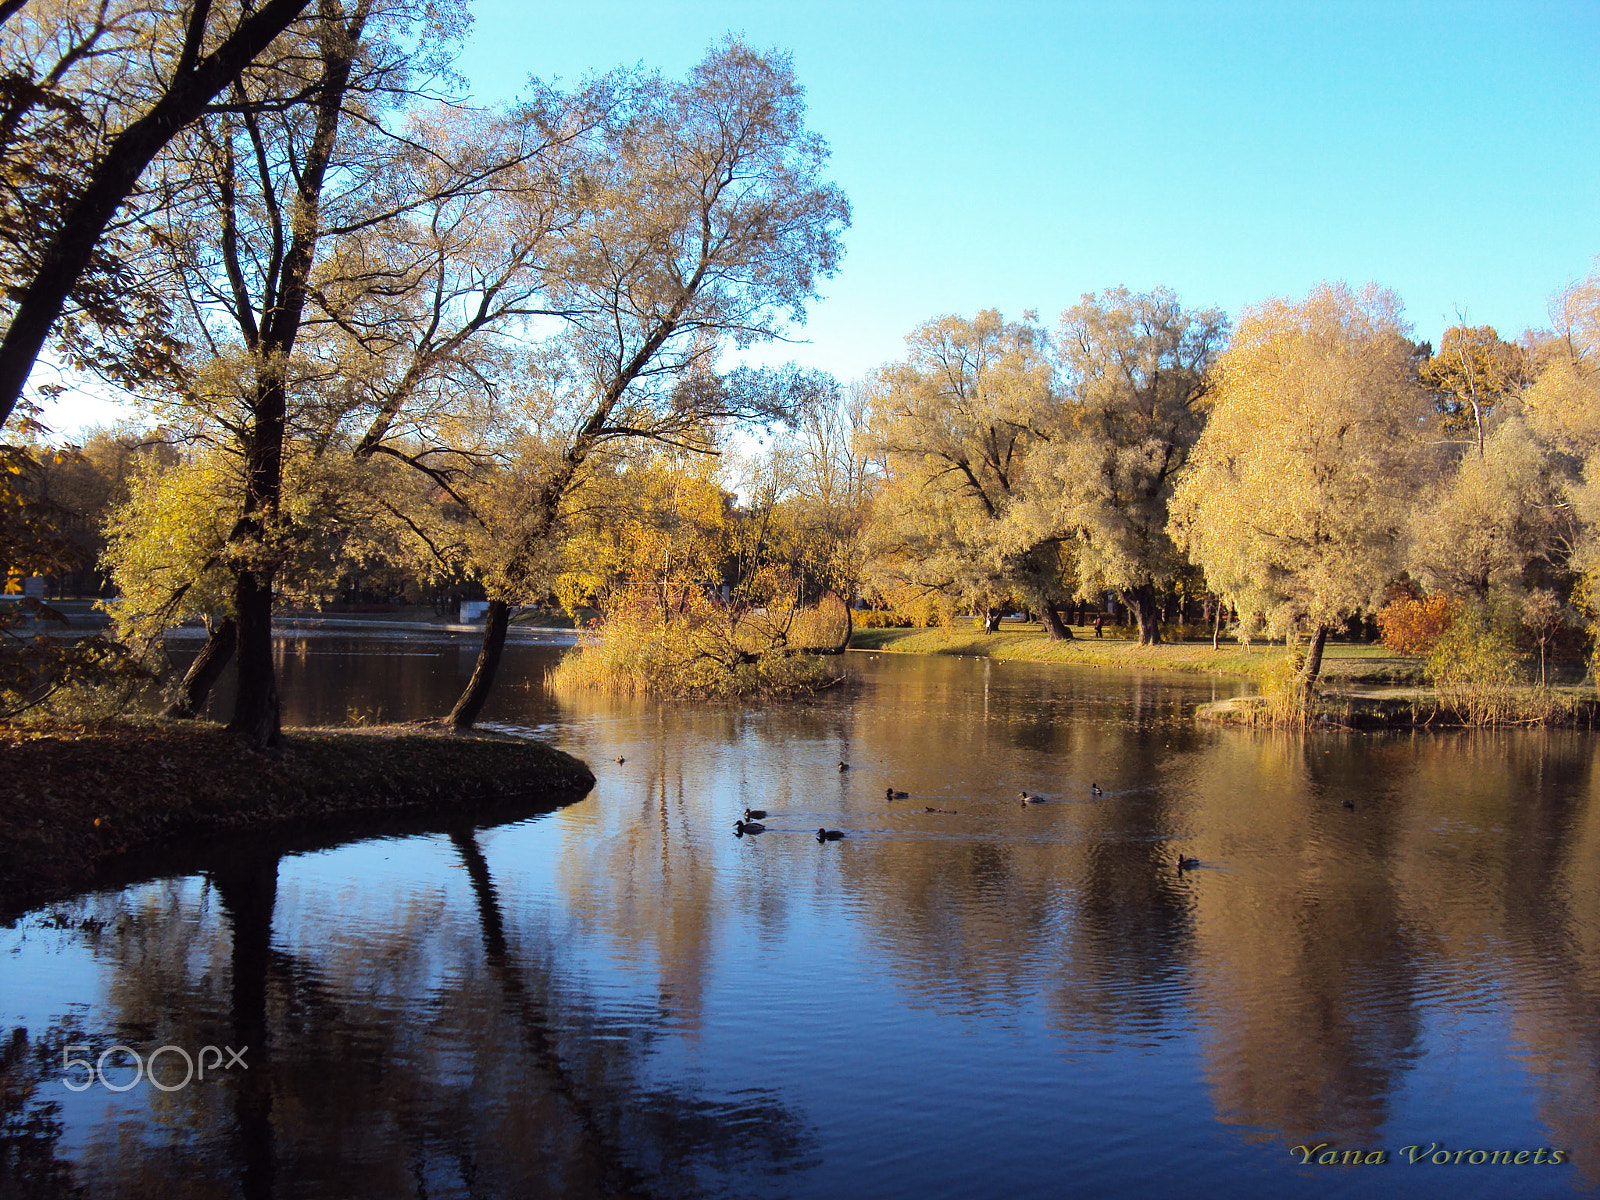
x=988 y=999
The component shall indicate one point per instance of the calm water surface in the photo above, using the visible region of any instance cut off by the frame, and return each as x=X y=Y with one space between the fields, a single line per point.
x=623 y=998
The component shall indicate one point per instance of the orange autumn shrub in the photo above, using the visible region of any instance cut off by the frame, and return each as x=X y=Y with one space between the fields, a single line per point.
x=1414 y=627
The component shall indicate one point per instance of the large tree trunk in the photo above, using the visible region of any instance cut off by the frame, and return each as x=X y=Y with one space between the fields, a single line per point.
x=495 y=623
x=1053 y=624
x=1142 y=602
x=991 y=620
x=195 y=84
x=205 y=670
x=255 y=711
x=1314 y=660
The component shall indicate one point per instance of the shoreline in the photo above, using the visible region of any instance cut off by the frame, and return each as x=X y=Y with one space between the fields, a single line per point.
x=87 y=807
x=1362 y=687
x=1344 y=662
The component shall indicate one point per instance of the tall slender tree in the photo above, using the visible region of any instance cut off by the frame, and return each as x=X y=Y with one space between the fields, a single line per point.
x=301 y=158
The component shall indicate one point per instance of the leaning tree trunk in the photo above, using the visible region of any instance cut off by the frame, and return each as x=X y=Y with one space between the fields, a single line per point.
x=1314 y=660
x=495 y=622
x=1053 y=624
x=849 y=630
x=1146 y=611
x=540 y=519
x=205 y=670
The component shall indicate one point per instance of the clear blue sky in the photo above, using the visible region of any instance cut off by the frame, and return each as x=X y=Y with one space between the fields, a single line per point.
x=1016 y=155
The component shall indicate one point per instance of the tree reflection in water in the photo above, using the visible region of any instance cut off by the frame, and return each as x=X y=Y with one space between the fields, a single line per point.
x=511 y=1083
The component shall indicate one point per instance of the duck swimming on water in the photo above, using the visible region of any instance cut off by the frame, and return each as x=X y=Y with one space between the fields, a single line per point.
x=894 y=795
x=1094 y=790
x=1187 y=864
x=740 y=828
x=1030 y=798
x=829 y=835
x=754 y=814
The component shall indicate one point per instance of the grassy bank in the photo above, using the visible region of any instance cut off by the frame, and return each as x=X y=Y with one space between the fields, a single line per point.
x=80 y=807
x=1343 y=663
x=1416 y=708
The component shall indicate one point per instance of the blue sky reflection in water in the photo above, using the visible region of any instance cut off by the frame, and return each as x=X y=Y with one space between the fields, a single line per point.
x=992 y=1000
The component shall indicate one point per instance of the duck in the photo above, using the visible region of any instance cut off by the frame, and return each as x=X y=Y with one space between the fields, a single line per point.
x=894 y=795
x=829 y=835
x=740 y=828
x=754 y=814
x=1029 y=798
x=1094 y=790
x=620 y=759
x=1350 y=804
x=843 y=766
x=1187 y=864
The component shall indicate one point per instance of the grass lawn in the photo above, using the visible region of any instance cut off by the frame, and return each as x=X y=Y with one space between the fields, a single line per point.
x=1345 y=662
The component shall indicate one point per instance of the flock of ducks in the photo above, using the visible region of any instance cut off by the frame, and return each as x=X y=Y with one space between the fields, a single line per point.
x=751 y=824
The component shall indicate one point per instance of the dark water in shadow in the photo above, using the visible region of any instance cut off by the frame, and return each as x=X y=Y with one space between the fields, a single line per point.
x=622 y=998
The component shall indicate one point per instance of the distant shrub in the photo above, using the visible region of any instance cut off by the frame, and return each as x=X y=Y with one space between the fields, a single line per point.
x=873 y=618
x=1413 y=627
x=1475 y=666
x=694 y=648
x=928 y=612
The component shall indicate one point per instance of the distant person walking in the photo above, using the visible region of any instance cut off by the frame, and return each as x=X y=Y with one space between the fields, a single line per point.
x=1099 y=623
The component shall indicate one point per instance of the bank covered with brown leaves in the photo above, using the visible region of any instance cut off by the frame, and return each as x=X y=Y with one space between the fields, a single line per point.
x=81 y=808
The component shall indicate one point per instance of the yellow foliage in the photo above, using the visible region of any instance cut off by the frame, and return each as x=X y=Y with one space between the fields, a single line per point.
x=692 y=648
x=1296 y=493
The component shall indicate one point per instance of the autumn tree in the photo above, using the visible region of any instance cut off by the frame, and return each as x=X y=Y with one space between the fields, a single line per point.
x=1471 y=374
x=90 y=93
x=308 y=157
x=1494 y=518
x=703 y=590
x=1563 y=412
x=954 y=423
x=829 y=476
x=1134 y=376
x=1296 y=495
x=706 y=221
x=421 y=296
x=80 y=484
